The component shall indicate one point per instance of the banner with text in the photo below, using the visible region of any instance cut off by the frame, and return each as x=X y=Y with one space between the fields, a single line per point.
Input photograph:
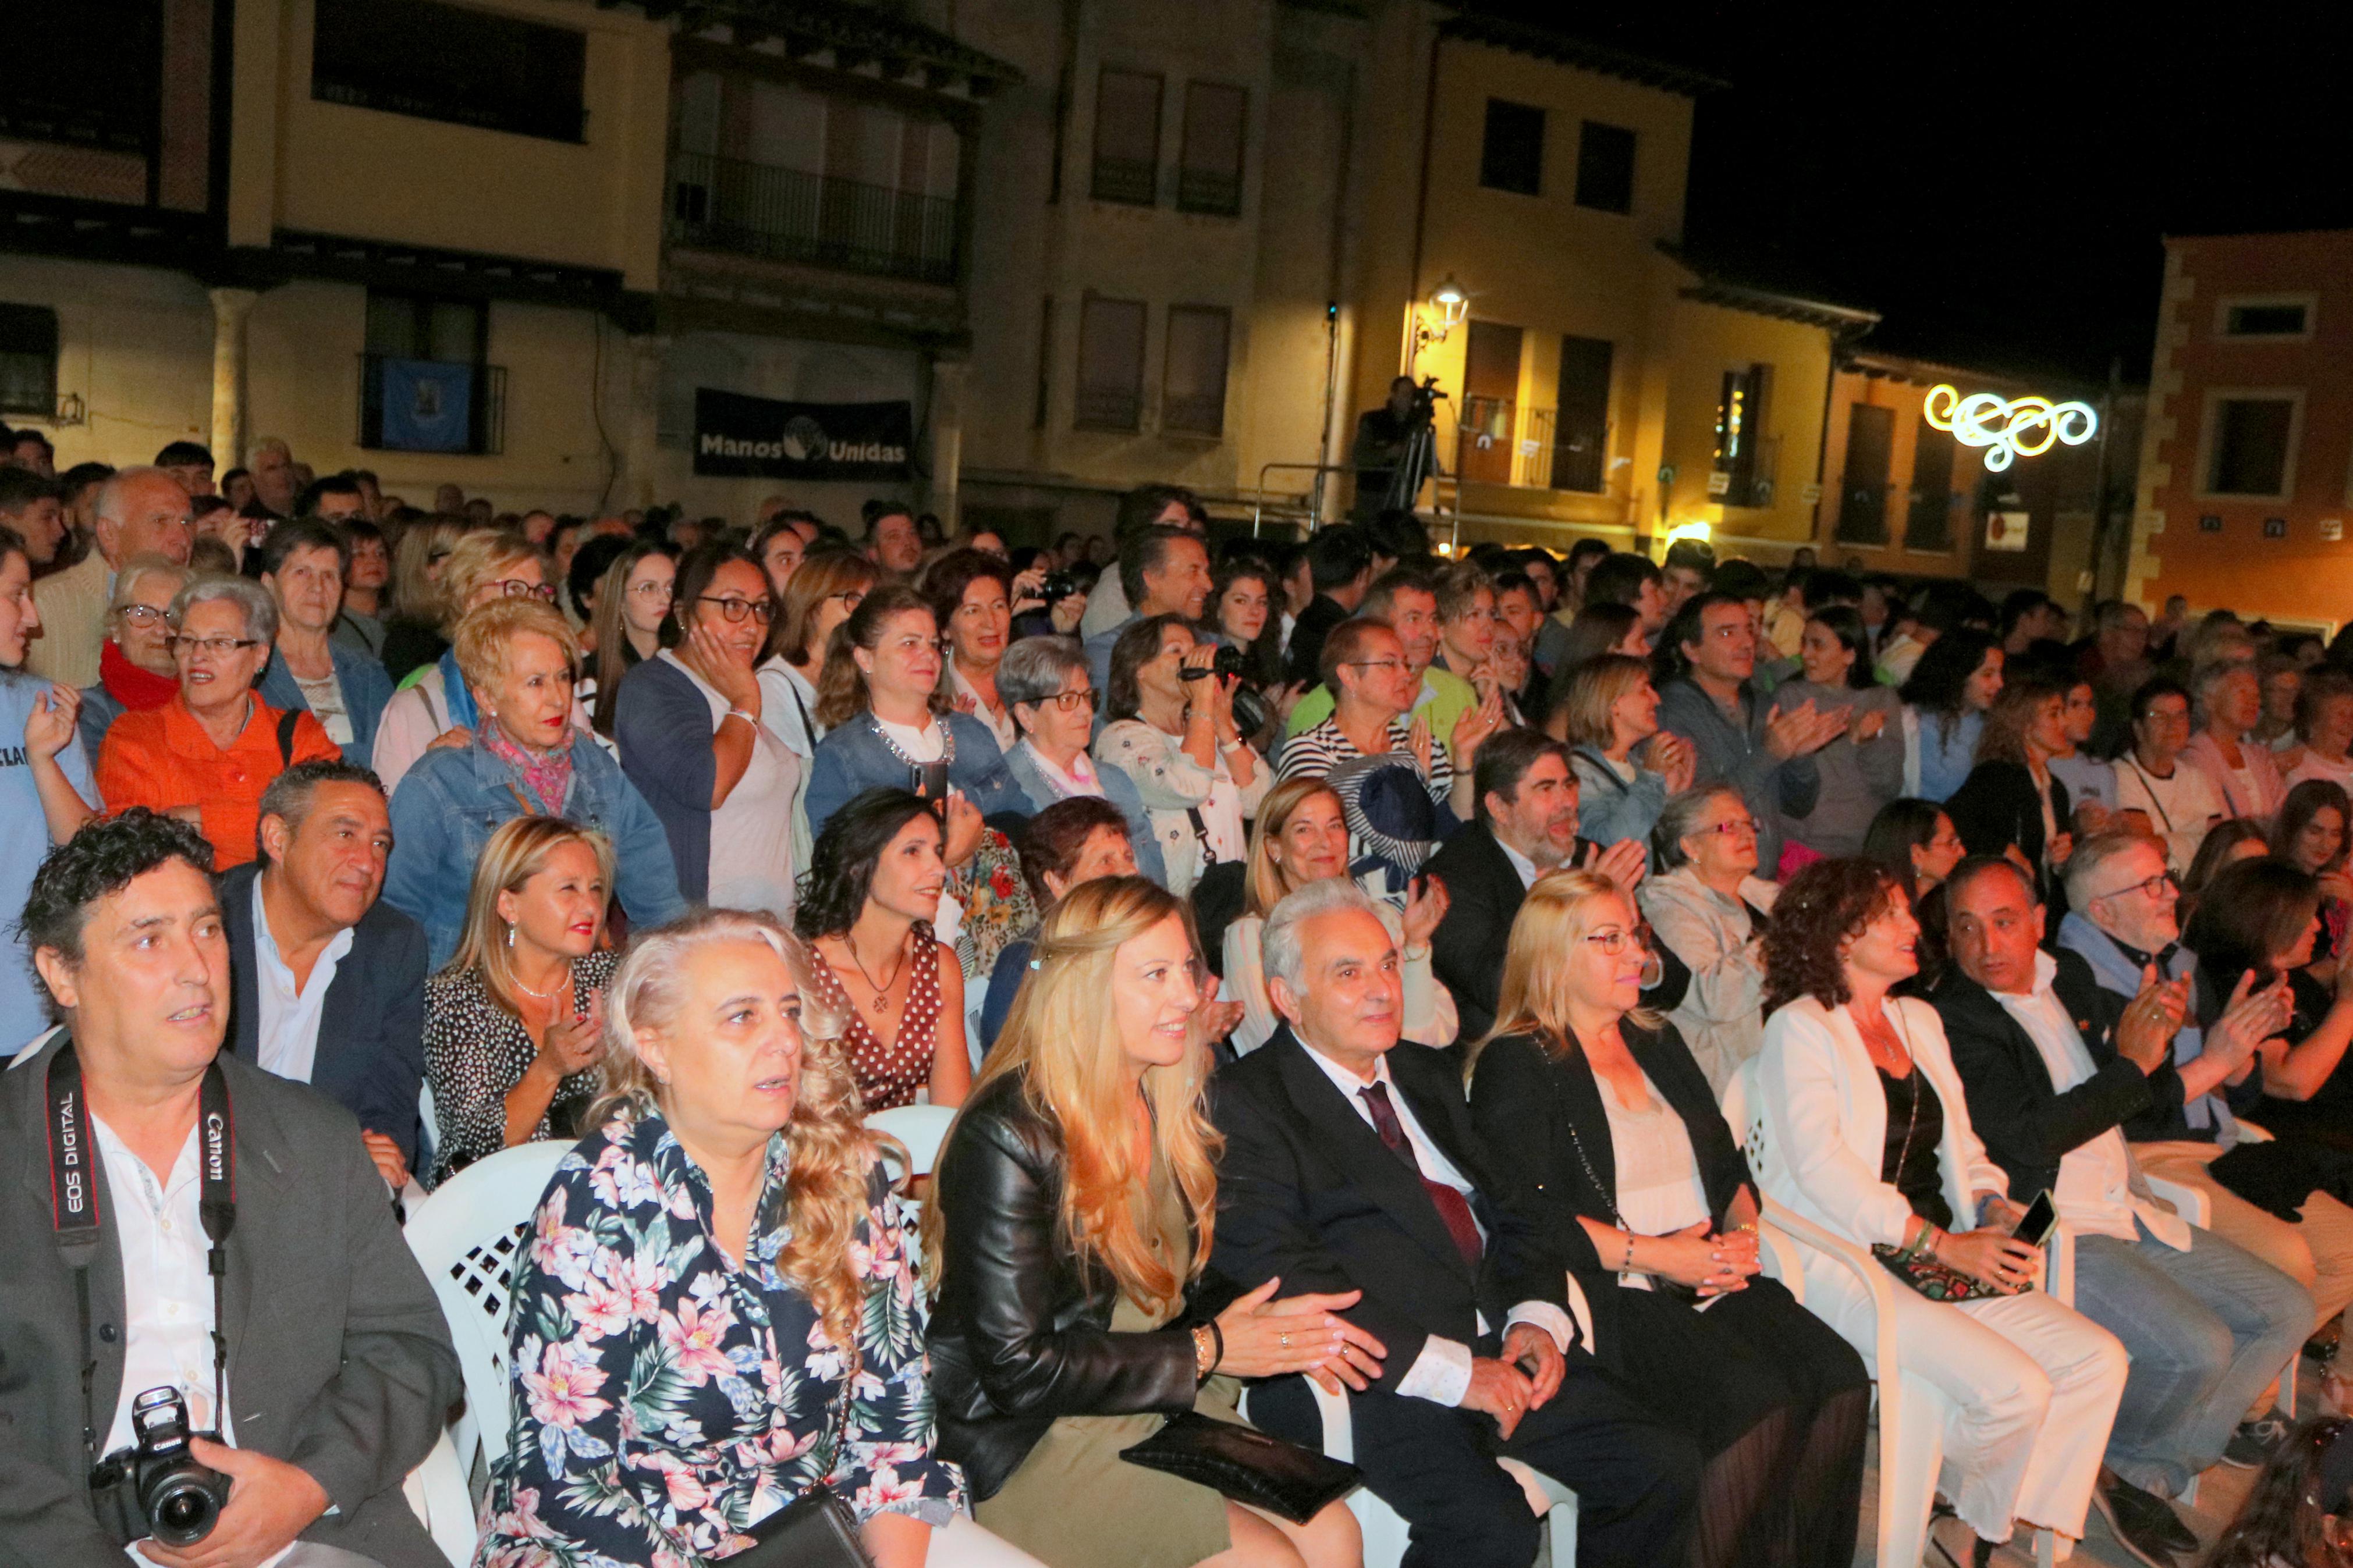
x=737 y=436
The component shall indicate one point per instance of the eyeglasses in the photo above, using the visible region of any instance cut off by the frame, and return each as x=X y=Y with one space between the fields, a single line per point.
x=1614 y=941
x=516 y=588
x=1373 y=663
x=142 y=614
x=2165 y=716
x=652 y=588
x=1731 y=826
x=218 y=648
x=1071 y=702
x=735 y=610
x=2154 y=887
x=853 y=597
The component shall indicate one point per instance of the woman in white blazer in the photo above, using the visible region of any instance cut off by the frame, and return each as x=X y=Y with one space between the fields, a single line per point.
x=1858 y=1088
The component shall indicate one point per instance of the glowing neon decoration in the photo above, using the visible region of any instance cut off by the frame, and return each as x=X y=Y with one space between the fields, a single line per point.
x=2008 y=429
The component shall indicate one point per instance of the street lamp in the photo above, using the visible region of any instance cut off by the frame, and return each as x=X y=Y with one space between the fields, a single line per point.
x=1440 y=315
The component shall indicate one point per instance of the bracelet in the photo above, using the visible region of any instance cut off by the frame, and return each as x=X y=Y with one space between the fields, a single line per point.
x=1204 y=1352
x=750 y=718
x=1626 y=1264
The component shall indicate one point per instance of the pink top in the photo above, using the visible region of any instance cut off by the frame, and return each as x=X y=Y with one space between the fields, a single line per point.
x=2255 y=791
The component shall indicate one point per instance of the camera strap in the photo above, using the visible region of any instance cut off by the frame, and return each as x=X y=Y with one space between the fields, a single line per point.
x=73 y=1197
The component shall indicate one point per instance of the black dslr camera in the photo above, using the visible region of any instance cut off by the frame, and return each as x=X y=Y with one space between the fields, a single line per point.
x=1060 y=584
x=1251 y=711
x=179 y=1498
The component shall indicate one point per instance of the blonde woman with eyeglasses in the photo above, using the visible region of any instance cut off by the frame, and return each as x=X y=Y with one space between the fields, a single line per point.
x=433 y=706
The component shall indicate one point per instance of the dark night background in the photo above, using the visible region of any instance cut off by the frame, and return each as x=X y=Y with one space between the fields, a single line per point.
x=1995 y=179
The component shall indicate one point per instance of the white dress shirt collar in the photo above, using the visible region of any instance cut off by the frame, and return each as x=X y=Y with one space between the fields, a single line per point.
x=286 y=1040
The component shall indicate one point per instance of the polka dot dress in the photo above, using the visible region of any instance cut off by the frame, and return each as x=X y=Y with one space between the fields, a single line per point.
x=889 y=1075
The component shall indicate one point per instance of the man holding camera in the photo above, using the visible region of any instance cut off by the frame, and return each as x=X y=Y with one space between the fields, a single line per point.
x=188 y=1232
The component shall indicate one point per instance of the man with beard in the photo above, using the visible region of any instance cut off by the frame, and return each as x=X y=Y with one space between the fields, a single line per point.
x=1525 y=826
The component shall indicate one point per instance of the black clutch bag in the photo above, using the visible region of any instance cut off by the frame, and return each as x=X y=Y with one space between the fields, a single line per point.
x=815 y=1529
x=1267 y=1473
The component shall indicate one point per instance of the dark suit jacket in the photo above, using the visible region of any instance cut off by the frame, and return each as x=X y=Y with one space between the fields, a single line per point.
x=339 y=1360
x=1483 y=897
x=372 y=1029
x=1307 y=1191
x=2026 y=1124
x=1543 y=1108
x=1996 y=807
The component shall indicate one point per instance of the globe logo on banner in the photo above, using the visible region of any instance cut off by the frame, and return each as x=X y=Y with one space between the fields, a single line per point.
x=741 y=437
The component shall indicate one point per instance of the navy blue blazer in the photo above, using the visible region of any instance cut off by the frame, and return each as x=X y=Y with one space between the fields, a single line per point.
x=371 y=1057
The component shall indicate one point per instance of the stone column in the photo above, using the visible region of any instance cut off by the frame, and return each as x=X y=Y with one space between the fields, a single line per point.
x=948 y=377
x=231 y=306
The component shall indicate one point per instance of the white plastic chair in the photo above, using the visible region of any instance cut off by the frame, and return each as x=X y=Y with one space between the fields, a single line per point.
x=1911 y=1411
x=439 y=1496
x=920 y=1130
x=467 y=1236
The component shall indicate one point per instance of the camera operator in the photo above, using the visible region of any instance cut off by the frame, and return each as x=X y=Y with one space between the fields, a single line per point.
x=189 y=1192
x=1384 y=444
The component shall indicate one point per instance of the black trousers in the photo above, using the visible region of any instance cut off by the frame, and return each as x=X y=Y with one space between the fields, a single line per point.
x=1636 y=1476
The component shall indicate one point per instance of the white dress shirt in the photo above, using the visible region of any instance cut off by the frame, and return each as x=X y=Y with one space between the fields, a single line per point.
x=167 y=1292
x=1520 y=863
x=288 y=1038
x=2094 y=1193
x=1441 y=1373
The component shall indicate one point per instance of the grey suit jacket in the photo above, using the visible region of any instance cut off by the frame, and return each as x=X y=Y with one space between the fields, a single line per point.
x=338 y=1360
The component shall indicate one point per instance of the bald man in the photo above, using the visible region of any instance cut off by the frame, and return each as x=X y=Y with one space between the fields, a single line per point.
x=140 y=511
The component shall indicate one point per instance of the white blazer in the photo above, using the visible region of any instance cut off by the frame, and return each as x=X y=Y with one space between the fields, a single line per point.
x=1827 y=1116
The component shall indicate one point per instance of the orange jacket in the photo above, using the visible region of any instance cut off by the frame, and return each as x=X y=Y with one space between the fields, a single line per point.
x=162 y=758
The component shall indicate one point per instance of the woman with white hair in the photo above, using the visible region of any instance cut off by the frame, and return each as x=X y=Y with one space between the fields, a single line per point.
x=135 y=671
x=730 y=1221
x=1707 y=909
x=206 y=755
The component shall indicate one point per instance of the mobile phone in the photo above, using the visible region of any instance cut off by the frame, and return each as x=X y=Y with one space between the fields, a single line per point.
x=929 y=779
x=2034 y=1226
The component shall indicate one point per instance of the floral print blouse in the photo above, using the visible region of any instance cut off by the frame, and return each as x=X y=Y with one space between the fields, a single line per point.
x=663 y=1402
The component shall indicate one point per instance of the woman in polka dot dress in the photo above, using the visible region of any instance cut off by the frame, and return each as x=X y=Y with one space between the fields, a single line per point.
x=867 y=907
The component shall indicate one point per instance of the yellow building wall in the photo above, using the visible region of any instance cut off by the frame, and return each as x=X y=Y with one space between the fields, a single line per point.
x=1705 y=342
x=134 y=343
x=300 y=164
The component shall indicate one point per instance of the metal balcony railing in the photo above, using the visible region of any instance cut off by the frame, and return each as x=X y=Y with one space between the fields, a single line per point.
x=789 y=214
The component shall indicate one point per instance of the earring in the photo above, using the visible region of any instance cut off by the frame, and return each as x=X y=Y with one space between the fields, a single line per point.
x=510 y=933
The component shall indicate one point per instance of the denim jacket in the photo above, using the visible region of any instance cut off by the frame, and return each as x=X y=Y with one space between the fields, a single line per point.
x=854 y=758
x=449 y=803
x=367 y=691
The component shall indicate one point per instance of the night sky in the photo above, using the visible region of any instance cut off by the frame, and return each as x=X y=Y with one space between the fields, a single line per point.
x=1995 y=179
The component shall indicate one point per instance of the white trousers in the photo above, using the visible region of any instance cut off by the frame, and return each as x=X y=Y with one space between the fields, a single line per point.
x=963 y=1543
x=2031 y=1388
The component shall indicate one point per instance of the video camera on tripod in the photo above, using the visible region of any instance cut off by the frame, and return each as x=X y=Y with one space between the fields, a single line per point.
x=1420 y=461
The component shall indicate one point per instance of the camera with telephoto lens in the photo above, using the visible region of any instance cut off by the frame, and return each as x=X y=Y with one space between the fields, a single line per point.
x=1059 y=584
x=179 y=1498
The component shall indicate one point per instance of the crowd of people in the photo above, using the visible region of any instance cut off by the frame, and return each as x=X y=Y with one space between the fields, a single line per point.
x=1335 y=956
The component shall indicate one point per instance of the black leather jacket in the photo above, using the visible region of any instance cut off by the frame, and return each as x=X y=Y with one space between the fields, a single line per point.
x=1021 y=1334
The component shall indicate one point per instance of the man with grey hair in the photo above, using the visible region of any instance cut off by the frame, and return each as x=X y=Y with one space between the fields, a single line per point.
x=140 y=511
x=275 y=484
x=1351 y=1165
x=1051 y=696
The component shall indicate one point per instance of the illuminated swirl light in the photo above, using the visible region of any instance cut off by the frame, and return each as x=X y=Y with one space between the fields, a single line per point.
x=2008 y=429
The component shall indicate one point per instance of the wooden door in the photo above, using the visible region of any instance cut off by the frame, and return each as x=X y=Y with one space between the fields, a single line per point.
x=1580 y=428
x=1491 y=391
x=1863 y=501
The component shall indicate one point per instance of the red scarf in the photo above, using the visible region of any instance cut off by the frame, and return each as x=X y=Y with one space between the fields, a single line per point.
x=137 y=690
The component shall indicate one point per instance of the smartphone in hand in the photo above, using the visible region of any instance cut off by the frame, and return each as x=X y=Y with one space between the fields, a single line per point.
x=2034 y=1225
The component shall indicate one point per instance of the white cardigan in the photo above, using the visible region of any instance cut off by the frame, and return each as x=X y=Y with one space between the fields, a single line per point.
x=1827 y=1116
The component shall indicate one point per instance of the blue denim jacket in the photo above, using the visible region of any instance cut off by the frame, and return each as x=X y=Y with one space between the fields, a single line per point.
x=367 y=691
x=854 y=758
x=452 y=799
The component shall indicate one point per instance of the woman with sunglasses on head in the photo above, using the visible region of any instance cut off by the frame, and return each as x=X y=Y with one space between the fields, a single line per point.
x=1619 y=1134
x=1707 y=908
x=433 y=706
x=689 y=723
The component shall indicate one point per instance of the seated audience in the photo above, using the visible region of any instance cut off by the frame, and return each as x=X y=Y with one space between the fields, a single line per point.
x=1735 y=737
x=971 y=598
x=1340 y=569
x=205 y=756
x=1598 y=629
x=1049 y=693
x=2324 y=726
x=727 y=1173
x=2310 y=835
x=1862 y=769
x=139 y=511
x=1170 y=731
x=434 y=702
x=1607 y=712
x=2228 y=842
x=1464 y=1283
x=2010 y=804
x=1707 y=909
x=692 y=742
x=333 y=1355
x=2299 y=1512
x=2206 y=1326
x=1945 y=702
x=1403 y=789
x=1164 y=571
x=1525 y=827
x=1069 y=842
x=823 y=592
x=1075 y=1205
x=2260 y=918
x=135 y=668
x=1914 y=841
x=867 y=911
x=359 y=624
x=33 y=509
x=1871 y=1135
x=633 y=601
x=523 y=757
x=513 y=1022
x=328 y=981
x=1302 y=837
x=2156 y=791
x=2122 y=924
x=2091 y=781
x=2230 y=704
x=885 y=721
x=48 y=775
x=302 y=565
x=780 y=544
x=1620 y=1136
x=1405 y=598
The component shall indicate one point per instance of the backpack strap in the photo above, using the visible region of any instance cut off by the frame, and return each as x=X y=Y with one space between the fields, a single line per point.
x=286 y=722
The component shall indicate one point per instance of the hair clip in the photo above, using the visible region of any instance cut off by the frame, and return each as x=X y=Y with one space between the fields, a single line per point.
x=1037 y=963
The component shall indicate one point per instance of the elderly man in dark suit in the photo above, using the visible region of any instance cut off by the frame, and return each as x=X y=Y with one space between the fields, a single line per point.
x=187 y=1226
x=329 y=979
x=1351 y=1164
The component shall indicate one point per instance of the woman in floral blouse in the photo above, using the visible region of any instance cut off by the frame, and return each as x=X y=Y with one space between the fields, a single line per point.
x=718 y=1309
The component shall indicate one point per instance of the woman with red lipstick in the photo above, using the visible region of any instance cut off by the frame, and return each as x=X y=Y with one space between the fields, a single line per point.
x=514 y=1025
x=973 y=602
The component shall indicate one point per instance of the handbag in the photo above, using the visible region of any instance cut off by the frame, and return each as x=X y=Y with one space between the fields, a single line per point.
x=1246 y=1465
x=817 y=1528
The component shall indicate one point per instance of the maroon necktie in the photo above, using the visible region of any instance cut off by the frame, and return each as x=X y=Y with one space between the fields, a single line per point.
x=1451 y=1207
